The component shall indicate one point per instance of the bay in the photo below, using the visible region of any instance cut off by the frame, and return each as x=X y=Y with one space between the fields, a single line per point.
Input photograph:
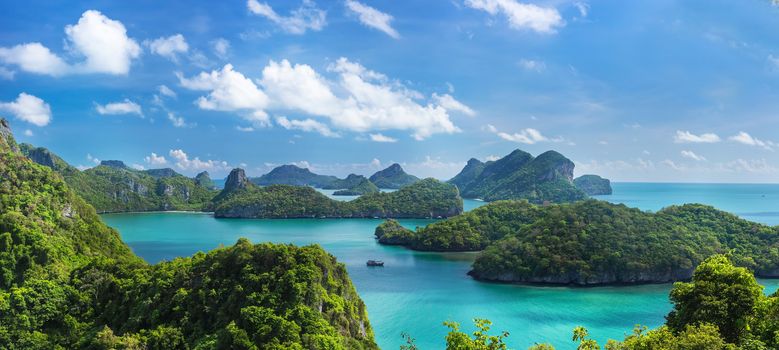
x=416 y=291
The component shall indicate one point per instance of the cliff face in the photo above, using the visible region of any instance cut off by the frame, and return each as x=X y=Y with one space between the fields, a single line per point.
x=393 y=177
x=593 y=185
x=518 y=175
x=237 y=180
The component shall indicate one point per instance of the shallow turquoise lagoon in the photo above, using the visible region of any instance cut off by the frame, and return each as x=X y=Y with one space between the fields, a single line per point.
x=415 y=291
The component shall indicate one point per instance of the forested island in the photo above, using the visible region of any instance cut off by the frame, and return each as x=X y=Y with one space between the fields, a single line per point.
x=67 y=281
x=593 y=242
x=519 y=175
x=393 y=177
x=593 y=185
x=427 y=198
x=364 y=186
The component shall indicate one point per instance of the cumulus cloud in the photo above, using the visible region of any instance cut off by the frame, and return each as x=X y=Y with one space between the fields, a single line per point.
x=116 y=108
x=688 y=137
x=28 y=108
x=382 y=138
x=448 y=102
x=183 y=162
x=356 y=99
x=6 y=73
x=692 y=155
x=583 y=7
x=155 y=160
x=92 y=159
x=372 y=17
x=527 y=136
x=747 y=139
x=169 y=47
x=178 y=122
x=230 y=91
x=307 y=125
x=306 y=17
x=521 y=15
x=101 y=41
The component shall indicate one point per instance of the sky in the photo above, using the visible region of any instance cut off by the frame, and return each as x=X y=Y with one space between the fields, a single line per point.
x=666 y=91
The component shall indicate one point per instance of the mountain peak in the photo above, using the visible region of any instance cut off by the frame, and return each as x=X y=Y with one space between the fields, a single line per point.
x=114 y=164
x=236 y=180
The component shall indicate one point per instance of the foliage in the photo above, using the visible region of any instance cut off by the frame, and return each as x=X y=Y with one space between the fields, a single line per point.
x=393 y=177
x=457 y=340
x=67 y=281
x=424 y=199
x=546 y=178
x=296 y=176
x=392 y=233
x=593 y=185
x=364 y=186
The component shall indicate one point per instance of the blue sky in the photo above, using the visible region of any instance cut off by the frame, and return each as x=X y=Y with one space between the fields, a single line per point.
x=634 y=91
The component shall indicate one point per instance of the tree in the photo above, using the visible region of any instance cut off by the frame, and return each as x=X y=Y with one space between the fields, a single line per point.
x=457 y=340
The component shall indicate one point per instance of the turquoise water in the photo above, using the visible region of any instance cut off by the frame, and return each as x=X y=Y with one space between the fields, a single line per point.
x=415 y=291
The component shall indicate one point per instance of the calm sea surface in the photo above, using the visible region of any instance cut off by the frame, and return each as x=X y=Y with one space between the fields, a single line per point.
x=415 y=291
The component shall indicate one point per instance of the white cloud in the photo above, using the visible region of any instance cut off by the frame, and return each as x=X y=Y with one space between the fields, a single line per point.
x=169 y=47
x=759 y=166
x=528 y=135
x=450 y=104
x=34 y=58
x=101 y=41
x=221 y=47
x=382 y=138
x=492 y=158
x=693 y=156
x=123 y=107
x=28 y=133
x=521 y=15
x=365 y=100
x=583 y=7
x=306 y=17
x=230 y=91
x=183 y=162
x=166 y=91
x=745 y=138
x=669 y=163
x=178 y=122
x=307 y=125
x=92 y=159
x=372 y=17
x=155 y=160
x=29 y=108
x=688 y=137
x=532 y=65
x=137 y=166
x=375 y=163
x=774 y=61
x=244 y=128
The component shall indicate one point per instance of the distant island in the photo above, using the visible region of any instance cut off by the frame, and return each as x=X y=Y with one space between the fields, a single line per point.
x=593 y=242
x=364 y=186
x=393 y=177
x=519 y=175
x=241 y=198
x=593 y=185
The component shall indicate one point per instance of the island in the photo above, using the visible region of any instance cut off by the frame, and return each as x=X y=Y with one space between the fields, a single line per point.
x=67 y=281
x=428 y=198
x=392 y=177
x=593 y=185
x=594 y=242
x=519 y=175
x=365 y=186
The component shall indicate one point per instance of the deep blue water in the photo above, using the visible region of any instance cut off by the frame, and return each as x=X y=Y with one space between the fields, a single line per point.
x=416 y=291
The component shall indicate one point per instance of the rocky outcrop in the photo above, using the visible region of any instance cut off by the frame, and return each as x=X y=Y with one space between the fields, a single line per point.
x=114 y=164
x=237 y=180
x=593 y=185
x=6 y=136
x=546 y=178
x=203 y=179
x=162 y=173
x=393 y=177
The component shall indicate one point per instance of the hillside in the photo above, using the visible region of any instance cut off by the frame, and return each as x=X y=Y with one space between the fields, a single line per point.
x=393 y=177
x=424 y=199
x=593 y=242
x=114 y=187
x=67 y=281
x=365 y=186
x=593 y=185
x=294 y=175
x=546 y=178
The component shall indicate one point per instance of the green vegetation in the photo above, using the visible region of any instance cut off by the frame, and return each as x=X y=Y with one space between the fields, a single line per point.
x=424 y=199
x=392 y=177
x=722 y=308
x=365 y=186
x=546 y=178
x=351 y=181
x=67 y=281
x=593 y=185
x=390 y=232
x=293 y=175
x=113 y=187
x=594 y=242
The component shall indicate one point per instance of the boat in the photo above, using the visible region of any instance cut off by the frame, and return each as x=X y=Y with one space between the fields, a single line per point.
x=375 y=263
